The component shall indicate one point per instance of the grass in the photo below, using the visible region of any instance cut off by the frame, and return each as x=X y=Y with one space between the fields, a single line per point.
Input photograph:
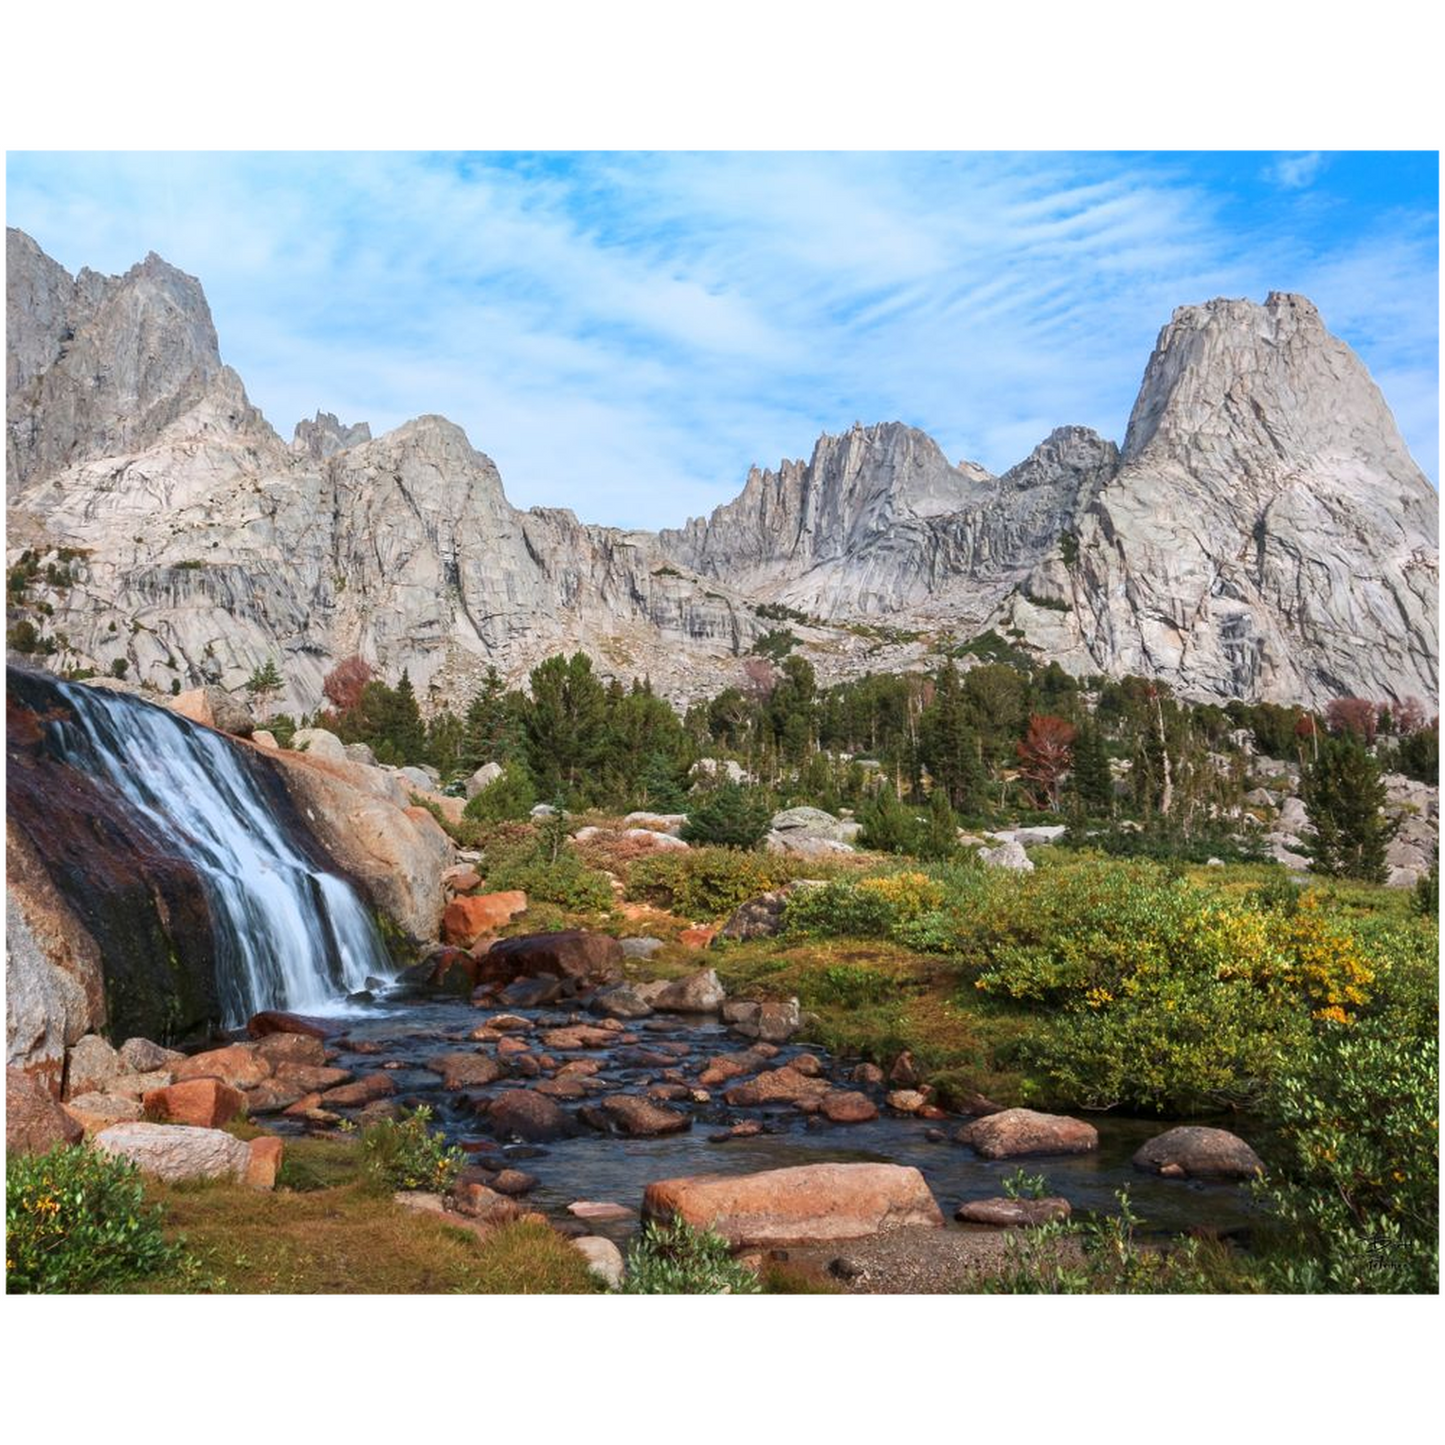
x=327 y=1230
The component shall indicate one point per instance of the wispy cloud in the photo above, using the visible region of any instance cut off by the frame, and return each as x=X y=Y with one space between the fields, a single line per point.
x=625 y=334
x=1297 y=171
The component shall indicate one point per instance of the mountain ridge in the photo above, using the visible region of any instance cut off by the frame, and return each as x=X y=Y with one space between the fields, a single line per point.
x=1262 y=532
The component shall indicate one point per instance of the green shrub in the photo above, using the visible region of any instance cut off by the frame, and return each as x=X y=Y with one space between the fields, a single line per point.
x=887 y=826
x=1152 y=993
x=1023 y=1185
x=848 y=985
x=404 y=1153
x=1166 y=844
x=776 y=644
x=76 y=1222
x=863 y=907
x=730 y=816
x=675 y=1258
x=1104 y=1255
x=507 y=798
x=1358 y=1189
x=565 y=880
x=1425 y=899
x=705 y=882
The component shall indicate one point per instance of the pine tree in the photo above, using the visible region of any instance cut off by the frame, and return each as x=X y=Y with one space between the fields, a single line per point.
x=445 y=735
x=1091 y=780
x=264 y=684
x=510 y=797
x=407 y=732
x=1344 y=795
x=730 y=816
x=887 y=826
x=948 y=744
x=939 y=837
x=566 y=727
x=491 y=729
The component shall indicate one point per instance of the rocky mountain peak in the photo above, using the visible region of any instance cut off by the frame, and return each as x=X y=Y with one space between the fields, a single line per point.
x=102 y=364
x=323 y=436
x=1255 y=392
x=1071 y=453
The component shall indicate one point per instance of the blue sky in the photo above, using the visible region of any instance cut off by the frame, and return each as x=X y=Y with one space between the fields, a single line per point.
x=626 y=333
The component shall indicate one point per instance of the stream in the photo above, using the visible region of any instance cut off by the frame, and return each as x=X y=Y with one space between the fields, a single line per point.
x=610 y=1167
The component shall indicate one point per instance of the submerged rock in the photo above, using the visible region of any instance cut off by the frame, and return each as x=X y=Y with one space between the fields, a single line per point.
x=465 y=1070
x=849 y=1107
x=701 y=992
x=777 y=1086
x=526 y=1114
x=586 y=957
x=622 y=1002
x=642 y=1119
x=277 y=1021
x=772 y=1021
x=1013 y=1213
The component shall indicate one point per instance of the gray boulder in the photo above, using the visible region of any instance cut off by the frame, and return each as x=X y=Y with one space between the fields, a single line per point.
x=1013 y=1213
x=1195 y=1152
x=319 y=744
x=177 y=1151
x=1007 y=855
x=482 y=779
x=760 y=917
x=700 y=993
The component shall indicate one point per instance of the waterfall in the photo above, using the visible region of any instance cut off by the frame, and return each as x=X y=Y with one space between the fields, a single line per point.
x=286 y=933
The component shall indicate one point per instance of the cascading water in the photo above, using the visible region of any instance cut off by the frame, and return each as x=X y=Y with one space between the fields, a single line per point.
x=287 y=934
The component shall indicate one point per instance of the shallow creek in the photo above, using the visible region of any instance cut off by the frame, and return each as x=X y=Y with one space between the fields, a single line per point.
x=598 y=1166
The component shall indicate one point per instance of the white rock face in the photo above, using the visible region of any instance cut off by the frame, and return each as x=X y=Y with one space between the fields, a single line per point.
x=1264 y=532
x=1267 y=533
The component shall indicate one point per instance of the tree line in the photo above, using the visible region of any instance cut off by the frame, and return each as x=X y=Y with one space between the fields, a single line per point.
x=965 y=745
